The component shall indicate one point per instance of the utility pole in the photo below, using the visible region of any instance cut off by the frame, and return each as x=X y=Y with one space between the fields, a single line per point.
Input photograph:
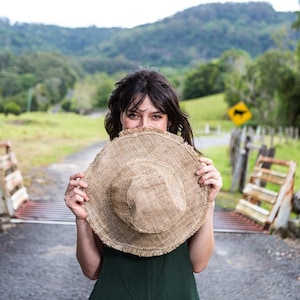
x=29 y=100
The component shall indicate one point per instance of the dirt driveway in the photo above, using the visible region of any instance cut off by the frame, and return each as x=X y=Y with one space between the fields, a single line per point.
x=37 y=261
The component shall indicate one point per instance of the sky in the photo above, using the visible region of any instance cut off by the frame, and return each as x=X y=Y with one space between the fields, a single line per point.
x=108 y=13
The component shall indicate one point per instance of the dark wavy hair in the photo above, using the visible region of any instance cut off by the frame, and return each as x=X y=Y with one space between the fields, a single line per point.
x=135 y=86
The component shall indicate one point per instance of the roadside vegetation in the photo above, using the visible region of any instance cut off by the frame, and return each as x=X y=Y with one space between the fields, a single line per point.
x=39 y=139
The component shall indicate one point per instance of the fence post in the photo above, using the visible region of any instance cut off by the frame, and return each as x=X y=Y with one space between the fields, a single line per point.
x=272 y=134
x=237 y=170
x=280 y=135
x=206 y=129
x=239 y=159
x=296 y=133
x=286 y=135
x=244 y=163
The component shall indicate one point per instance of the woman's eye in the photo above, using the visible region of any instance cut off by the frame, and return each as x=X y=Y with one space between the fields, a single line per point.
x=156 y=117
x=132 y=115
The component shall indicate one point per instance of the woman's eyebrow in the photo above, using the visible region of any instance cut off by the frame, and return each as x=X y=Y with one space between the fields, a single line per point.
x=140 y=110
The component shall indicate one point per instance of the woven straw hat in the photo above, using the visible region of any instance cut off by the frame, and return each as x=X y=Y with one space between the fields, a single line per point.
x=144 y=194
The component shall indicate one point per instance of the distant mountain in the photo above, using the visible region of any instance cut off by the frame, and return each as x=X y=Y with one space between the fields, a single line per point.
x=197 y=34
x=23 y=37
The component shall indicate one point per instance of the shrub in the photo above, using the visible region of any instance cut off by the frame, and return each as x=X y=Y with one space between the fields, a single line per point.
x=12 y=108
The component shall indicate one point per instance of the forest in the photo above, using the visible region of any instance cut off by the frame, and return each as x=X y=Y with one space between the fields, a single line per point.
x=244 y=50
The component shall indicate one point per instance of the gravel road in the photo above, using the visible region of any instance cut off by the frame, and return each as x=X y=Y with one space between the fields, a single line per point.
x=37 y=261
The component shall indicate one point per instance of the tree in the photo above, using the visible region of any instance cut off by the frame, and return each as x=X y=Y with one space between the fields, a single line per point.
x=289 y=92
x=259 y=85
x=10 y=83
x=41 y=97
x=205 y=80
x=66 y=105
x=49 y=75
x=234 y=59
x=12 y=108
x=289 y=89
x=103 y=90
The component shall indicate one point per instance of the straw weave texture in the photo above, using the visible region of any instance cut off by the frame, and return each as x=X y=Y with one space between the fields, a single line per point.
x=144 y=194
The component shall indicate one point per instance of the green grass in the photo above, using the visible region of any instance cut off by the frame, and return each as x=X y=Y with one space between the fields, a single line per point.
x=39 y=139
x=210 y=110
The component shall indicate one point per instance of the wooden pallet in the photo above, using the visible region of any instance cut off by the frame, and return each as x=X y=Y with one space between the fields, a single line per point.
x=12 y=190
x=267 y=198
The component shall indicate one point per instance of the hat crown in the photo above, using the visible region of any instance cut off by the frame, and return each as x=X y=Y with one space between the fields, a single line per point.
x=148 y=197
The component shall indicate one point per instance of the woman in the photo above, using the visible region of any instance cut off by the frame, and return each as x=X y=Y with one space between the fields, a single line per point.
x=144 y=99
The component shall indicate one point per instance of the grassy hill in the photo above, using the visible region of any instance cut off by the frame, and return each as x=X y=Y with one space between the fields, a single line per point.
x=210 y=110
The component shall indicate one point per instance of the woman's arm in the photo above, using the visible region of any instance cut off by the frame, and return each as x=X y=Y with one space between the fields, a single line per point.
x=201 y=245
x=89 y=248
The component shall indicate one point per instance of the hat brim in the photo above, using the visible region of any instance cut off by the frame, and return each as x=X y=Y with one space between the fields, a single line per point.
x=144 y=144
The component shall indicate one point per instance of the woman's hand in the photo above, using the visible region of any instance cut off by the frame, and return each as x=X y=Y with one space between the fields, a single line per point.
x=75 y=197
x=209 y=175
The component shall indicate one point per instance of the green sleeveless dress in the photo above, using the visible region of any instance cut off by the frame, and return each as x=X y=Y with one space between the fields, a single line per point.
x=128 y=277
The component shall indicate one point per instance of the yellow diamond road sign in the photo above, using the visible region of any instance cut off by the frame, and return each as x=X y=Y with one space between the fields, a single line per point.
x=239 y=113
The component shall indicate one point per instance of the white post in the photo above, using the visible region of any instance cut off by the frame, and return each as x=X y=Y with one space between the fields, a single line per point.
x=206 y=129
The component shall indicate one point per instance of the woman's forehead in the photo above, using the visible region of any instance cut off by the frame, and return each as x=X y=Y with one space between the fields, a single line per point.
x=142 y=103
x=139 y=102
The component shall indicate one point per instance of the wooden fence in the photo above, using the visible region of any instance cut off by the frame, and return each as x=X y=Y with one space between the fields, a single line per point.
x=12 y=190
x=261 y=200
x=267 y=196
x=262 y=139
